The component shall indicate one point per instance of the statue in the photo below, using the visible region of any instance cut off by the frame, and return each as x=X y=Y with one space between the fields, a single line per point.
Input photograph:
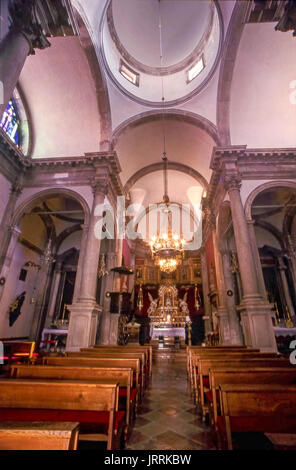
x=183 y=305
x=153 y=305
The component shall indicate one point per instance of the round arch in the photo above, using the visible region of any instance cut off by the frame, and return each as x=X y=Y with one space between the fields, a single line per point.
x=260 y=189
x=232 y=40
x=159 y=167
x=31 y=201
x=103 y=101
x=173 y=114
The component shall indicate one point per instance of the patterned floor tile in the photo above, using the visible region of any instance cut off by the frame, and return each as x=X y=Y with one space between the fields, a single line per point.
x=167 y=418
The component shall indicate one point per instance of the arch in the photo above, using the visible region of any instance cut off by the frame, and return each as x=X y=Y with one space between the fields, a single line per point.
x=144 y=213
x=260 y=189
x=103 y=102
x=38 y=196
x=177 y=114
x=231 y=45
x=159 y=167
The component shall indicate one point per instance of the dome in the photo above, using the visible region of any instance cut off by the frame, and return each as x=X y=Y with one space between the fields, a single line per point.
x=148 y=46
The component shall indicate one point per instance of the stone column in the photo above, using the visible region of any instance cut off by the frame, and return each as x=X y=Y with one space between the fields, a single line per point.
x=282 y=269
x=224 y=328
x=258 y=266
x=234 y=324
x=256 y=313
x=106 y=316
x=6 y=233
x=24 y=36
x=84 y=312
x=79 y=272
x=205 y=290
x=44 y=277
x=54 y=293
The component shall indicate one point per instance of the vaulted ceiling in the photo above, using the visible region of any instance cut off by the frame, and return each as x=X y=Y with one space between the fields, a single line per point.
x=74 y=103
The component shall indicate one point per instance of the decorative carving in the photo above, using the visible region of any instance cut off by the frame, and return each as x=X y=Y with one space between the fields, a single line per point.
x=99 y=186
x=288 y=20
x=153 y=305
x=24 y=20
x=232 y=182
x=183 y=305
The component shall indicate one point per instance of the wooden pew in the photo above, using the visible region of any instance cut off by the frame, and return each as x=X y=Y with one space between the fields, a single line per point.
x=18 y=351
x=94 y=405
x=193 y=350
x=38 y=436
x=245 y=375
x=124 y=377
x=257 y=408
x=201 y=382
x=221 y=355
x=117 y=355
x=144 y=354
x=90 y=361
x=132 y=348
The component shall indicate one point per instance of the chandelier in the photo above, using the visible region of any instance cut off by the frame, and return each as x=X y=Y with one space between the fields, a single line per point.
x=167 y=249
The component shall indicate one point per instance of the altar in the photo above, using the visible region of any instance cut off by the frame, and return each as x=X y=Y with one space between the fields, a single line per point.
x=166 y=332
x=168 y=312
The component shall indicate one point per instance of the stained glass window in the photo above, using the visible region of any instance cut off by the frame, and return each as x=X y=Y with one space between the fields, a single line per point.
x=10 y=123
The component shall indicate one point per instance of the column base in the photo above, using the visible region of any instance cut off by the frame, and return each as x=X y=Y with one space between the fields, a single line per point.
x=256 y=321
x=224 y=328
x=83 y=325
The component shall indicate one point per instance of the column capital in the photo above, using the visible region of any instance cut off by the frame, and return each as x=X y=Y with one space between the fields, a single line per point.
x=232 y=182
x=99 y=187
x=23 y=19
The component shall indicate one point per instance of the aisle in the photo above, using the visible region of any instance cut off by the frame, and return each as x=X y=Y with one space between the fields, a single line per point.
x=167 y=419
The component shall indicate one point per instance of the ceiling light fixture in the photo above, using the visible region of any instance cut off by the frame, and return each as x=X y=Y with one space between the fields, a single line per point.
x=167 y=249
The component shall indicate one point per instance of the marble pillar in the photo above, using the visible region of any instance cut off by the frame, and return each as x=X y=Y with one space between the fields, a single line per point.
x=85 y=311
x=256 y=312
x=104 y=337
x=223 y=318
x=205 y=291
x=258 y=266
x=44 y=279
x=236 y=337
x=54 y=293
x=25 y=35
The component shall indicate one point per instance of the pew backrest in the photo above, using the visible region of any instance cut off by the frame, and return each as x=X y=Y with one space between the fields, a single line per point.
x=259 y=407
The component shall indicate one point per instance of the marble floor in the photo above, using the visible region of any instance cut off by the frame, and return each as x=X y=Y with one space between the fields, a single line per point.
x=167 y=418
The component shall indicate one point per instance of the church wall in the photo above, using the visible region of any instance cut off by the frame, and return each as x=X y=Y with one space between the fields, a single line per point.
x=13 y=288
x=5 y=186
x=262 y=104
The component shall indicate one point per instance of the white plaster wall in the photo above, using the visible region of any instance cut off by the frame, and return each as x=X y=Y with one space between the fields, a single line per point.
x=262 y=113
x=15 y=287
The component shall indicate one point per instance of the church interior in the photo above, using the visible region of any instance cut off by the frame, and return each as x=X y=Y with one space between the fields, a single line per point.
x=148 y=225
